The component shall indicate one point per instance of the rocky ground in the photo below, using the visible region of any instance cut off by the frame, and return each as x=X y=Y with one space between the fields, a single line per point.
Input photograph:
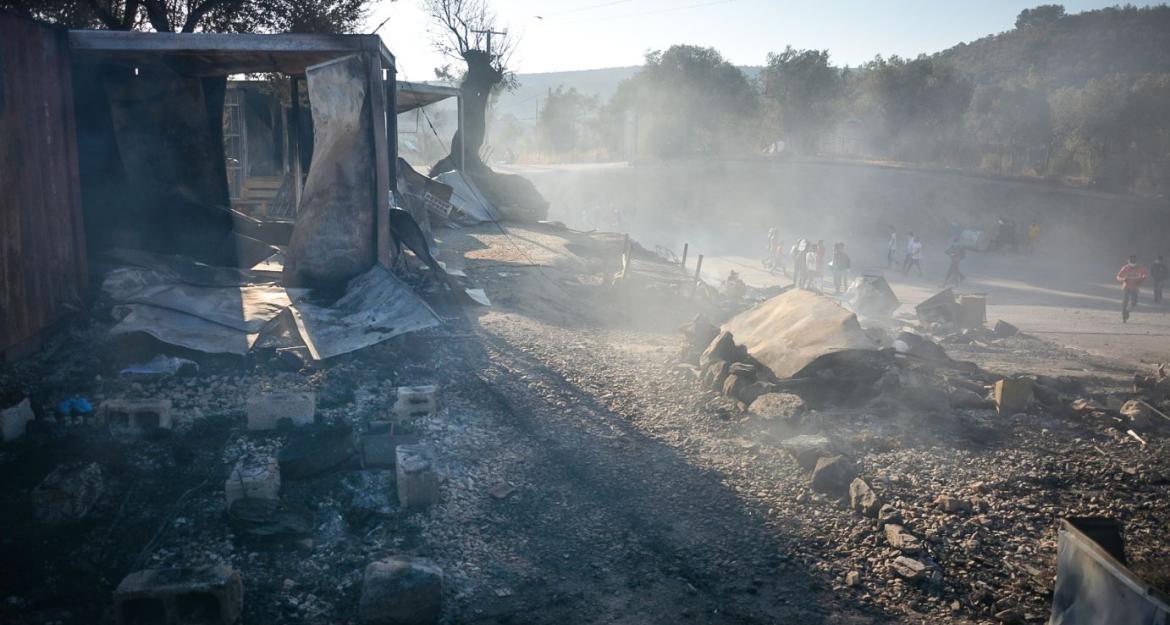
x=585 y=477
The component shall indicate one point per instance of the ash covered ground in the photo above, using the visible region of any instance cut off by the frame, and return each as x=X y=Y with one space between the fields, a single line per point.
x=587 y=473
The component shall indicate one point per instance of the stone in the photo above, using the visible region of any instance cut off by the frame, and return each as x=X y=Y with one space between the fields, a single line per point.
x=258 y=478
x=418 y=486
x=888 y=514
x=952 y=505
x=863 y=499
x=750 y=393
x=135 y=417
x=1012 y=395
x=415 y=402
x=1012 y=616
x=212 y=595
x=910 y=568
x=266 y=411
x=67 y=494
x=714 y=375
x=401 y=591
x=778 y=406
x=699 y=332
x=1004 y=329
x=902 y=540
x=832 y=475
x=746 y=371
x=722 y=347
x=734 y=385
x=14 y=420
x=853 y=579
x=807 y=449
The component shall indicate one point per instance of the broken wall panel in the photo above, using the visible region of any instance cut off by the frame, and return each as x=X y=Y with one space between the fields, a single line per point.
x=333 y=239
x=42 y=244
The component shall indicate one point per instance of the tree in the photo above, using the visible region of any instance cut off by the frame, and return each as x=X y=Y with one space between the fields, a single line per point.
x=687 y=99
x=562 y=117
x=298 y=16
x=466 y=29
x=805 y=88
x=920 y=103
x=1042 y=15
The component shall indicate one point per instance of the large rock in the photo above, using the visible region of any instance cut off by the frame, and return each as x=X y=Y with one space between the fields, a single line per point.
x=807 y=449
x=910 y=568
x=833 y=474
x=863 y=498
x=722 y=347
x=67 y=494
x=401 y=591
x=14 y=420
x=778 y=406
x=714 y=375
x=699 y=332
x=734 y=385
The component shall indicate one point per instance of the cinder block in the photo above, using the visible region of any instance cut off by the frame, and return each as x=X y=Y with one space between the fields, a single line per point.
x=415 y=401
x=401 y=591
x=258 y=478
x=267 y=410
x=211 y=595
x=418 y=486
x=1012 y=395
x=136 y=416
x=13 y=420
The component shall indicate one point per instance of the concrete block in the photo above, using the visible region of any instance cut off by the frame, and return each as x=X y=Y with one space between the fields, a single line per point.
x=258 y=478
x=267 y=410
x=211 y=595
x=418 y=486
x=415 y=401
x=13 y=420
x=135 y=417
x=1012 y=395
x=401 y=591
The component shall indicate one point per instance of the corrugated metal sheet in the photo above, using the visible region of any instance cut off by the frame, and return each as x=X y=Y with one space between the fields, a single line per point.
x=42 y=242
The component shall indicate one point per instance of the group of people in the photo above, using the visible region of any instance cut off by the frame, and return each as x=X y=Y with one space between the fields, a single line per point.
x=809 y=262
x=913 y=256
x=1132 y=275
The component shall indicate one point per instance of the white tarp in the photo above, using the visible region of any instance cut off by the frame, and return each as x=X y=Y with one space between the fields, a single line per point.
x=467 y=198
x=376 y=306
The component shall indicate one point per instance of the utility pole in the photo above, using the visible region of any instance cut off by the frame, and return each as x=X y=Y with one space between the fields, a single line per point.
x=489 y=32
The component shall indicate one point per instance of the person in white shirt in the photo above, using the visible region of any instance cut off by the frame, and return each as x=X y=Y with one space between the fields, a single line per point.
x=913 y=255
x=892 y=249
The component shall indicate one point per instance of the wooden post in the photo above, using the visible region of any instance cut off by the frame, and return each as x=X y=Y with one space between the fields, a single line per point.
x=686 y=246
x=294 y=140
x=382 y=174
x=698 y=270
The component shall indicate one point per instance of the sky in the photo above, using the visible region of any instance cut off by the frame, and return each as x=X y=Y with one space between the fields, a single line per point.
x=561 y=35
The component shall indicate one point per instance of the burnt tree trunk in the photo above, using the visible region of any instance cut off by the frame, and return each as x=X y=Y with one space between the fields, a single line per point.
x=477 y=86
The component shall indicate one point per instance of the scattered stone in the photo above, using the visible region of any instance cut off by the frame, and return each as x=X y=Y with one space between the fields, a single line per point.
x=1004 y=329
x=780 y=406
x=135 y=417
x=910 y=568
x=888 y=514
x=418 y=486
x=952 y=505
x=416 y=402
x=67 y=494
x=211 y=595
x=401 y=591
x=14 y=420
x=807 y=449
x=1012 y=395
x=832 y=475
x=266 y=411
x=253 y=477
x=863 y=499
x=902 y=540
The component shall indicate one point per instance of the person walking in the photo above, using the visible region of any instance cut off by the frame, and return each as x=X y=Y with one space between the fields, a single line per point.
x=799 y=267
x=1131 y=277
x=892 y=249
x=913 y=255
x=1159 y=273
x=957 y=254
x=840 y=265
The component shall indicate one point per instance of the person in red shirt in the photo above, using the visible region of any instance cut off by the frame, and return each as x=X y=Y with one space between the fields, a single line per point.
x=1131 y=277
